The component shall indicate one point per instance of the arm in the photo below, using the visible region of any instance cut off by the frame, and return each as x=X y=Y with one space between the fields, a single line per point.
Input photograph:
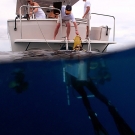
x=87 y=11
x=75 y=25
x=76 y=29
x=35 y=9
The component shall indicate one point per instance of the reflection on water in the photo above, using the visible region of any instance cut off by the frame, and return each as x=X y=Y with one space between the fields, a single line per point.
x=84 y=96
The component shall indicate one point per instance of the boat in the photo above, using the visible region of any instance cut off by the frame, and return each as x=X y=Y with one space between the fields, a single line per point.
x=28 y=34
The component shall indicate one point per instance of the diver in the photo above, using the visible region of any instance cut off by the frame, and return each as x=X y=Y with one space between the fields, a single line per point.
x=18 y=83
x=83 y=80
x=99 y=72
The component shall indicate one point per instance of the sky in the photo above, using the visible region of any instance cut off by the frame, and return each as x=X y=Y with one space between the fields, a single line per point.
x=122 y=10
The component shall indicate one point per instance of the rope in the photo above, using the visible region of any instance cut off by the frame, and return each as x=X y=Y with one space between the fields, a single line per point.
x=42 y=33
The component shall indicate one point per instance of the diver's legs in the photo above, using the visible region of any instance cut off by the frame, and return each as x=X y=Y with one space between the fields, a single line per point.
x=90 y=85
x=98 y=128
x=122 y=126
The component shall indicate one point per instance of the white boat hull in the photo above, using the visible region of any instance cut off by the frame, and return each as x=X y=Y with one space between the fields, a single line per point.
x=39 y=34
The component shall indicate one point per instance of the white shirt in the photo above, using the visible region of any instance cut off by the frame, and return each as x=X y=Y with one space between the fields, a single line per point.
x=87 y=4
x=40 y=14
x=67 y=17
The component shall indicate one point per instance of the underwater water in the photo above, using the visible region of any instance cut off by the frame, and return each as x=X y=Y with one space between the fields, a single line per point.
x=41 y=98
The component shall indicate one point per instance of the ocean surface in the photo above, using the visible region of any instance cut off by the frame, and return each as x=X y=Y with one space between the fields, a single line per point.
x=41 y=98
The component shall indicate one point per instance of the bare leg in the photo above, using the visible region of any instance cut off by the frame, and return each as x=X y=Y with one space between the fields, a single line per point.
x=87 y=28
x=68 y=29
x=87 y=31
x=56 y=30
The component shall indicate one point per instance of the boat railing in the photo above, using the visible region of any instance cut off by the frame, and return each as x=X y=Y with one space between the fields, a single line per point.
x=83 y=20
x=40 y=7
x=113 y=23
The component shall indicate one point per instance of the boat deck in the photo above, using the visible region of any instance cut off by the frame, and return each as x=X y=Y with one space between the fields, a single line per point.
x=60 y=41
x=89 y=45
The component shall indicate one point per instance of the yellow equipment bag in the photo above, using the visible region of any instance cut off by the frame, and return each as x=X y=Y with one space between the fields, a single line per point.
x=77 y=41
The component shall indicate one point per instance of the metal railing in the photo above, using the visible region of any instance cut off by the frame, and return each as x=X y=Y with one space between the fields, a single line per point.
x=85 y=20
x=113 y=23
x=39 y=7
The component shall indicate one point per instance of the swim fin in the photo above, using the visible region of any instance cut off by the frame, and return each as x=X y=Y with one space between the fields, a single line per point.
x=98 y=128
x=122 y=126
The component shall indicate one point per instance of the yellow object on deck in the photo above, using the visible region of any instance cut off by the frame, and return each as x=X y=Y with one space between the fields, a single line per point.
x=77 y=41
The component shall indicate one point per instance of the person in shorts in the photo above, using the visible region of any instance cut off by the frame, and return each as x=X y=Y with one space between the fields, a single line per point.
x=86 y=15
x=67 y=17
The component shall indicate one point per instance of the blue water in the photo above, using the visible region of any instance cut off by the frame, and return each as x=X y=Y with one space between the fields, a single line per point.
x=33 y=96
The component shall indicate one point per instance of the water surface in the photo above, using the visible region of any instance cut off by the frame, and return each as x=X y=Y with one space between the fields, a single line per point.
x=36 y=100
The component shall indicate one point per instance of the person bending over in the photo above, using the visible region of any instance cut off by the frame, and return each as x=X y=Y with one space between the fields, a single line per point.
x=66 y=16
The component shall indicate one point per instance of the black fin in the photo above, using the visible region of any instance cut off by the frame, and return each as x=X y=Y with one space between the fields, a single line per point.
x=122 y=126
x=98 y=128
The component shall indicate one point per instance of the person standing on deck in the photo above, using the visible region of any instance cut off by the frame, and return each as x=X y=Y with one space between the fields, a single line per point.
x=38 y=12
x=86 y=15
x=66 y=16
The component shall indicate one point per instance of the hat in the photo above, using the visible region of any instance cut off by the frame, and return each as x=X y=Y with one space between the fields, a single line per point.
x=68 y=9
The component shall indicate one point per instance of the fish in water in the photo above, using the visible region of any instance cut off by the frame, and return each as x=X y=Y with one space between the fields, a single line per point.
x=18 y=83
